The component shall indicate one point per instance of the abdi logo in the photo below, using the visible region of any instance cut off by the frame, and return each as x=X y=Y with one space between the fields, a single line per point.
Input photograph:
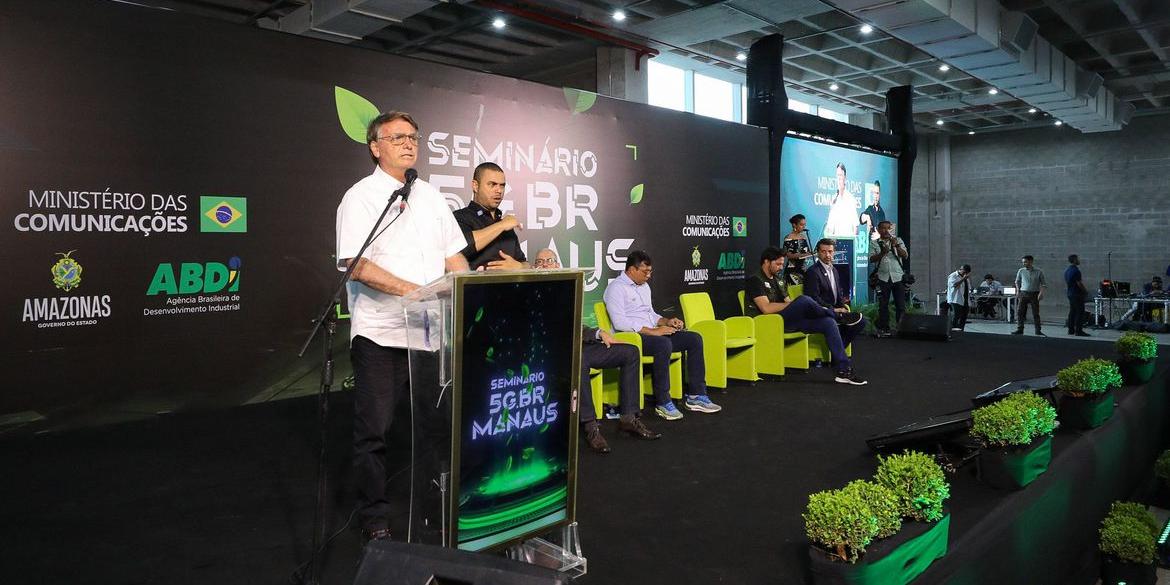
x=192 y=278
x=223 y=214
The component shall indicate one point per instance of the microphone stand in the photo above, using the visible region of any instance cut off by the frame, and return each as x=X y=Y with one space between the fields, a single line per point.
x=328 y=321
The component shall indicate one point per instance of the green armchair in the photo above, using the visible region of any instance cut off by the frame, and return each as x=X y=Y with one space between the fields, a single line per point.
x=729 y=345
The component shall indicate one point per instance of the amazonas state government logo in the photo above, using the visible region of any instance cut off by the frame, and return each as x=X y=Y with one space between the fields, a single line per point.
x=66 y=272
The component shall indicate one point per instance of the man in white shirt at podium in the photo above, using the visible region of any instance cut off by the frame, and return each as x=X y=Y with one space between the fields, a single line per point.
x=417 y=241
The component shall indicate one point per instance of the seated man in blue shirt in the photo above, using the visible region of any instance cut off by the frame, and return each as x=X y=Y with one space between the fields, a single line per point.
x=627 y=299
x=601 y=350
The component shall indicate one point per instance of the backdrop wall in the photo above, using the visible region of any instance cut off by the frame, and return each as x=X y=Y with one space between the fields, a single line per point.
x=169 y=186
x=1048 y=192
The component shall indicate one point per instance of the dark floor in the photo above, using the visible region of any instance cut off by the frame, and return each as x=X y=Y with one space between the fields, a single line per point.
x=227 y=496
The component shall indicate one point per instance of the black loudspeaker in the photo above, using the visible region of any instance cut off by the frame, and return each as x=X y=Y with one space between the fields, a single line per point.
x=398 y=563
x=929 y=327
x=900 y=119
x=767 y=101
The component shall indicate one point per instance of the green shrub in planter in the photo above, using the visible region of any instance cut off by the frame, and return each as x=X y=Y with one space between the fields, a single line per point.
x=1127 y=536
x=1089 y=376
x=845 y=521
x=1134 y=345
x=918 y=482
x=1137 y=512
x=1014 y=421
x=1162 y=467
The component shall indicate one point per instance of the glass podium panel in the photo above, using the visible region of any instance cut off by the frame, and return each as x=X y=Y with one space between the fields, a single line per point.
x=495 y=363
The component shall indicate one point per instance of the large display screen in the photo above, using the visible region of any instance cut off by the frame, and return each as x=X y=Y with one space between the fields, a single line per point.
x=516 y=454
x=843 y=194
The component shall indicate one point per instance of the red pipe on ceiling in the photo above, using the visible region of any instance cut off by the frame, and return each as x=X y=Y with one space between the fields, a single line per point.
x=639 y=50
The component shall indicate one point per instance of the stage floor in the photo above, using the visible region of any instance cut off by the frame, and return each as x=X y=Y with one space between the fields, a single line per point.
x=227 y=496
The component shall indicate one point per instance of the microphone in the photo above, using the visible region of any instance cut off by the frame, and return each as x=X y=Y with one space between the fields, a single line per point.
x=404 y=191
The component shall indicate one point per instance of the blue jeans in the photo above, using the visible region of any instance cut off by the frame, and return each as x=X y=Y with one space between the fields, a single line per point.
x=660 y=347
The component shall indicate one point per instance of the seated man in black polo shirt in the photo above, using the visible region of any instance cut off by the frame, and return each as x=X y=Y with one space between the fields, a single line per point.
x=491 y=237
x=766 y=294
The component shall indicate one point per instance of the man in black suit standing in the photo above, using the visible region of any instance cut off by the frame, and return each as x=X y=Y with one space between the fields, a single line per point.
x=823 y=284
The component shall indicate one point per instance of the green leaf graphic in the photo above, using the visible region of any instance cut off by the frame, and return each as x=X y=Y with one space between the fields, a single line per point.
x=579 y=101
x=479 y=315
x=636 y=193
x=354 y=112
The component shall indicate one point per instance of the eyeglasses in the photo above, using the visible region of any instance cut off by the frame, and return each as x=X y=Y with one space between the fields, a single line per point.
x=400 y=139
x=550 y=262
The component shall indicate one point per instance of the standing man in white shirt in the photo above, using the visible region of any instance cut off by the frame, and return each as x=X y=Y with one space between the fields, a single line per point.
x=416 y=243
x=958 y=296
x=1030 y=286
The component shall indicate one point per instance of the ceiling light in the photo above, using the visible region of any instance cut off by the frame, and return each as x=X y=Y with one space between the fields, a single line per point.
x=944 y=67
x=834 y=87
x=498 y=22
x=619 y=15
x=866 y=29
x=940 y=122
x=1059 y=123
x=993 y=91
x=1031 y=110
x=970 y=133
x=741 y=56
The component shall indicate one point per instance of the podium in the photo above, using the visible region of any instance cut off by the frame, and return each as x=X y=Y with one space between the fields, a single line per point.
x=495 y=361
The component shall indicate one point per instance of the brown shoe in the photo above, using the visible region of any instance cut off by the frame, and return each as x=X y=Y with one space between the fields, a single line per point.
x=633 y=425
x=593 y=437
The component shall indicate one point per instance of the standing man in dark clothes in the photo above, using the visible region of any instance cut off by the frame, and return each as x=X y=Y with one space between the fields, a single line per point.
x=491 y=236
x=1076 y=297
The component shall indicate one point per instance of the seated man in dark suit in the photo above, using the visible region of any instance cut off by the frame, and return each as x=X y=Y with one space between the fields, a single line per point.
x=767 y=294
x=823 y=284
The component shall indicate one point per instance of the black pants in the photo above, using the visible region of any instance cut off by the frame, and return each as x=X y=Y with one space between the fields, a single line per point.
x=1028 y=298
x=660 y=347
x=618 y=355
x=987 y=307
x=1076 y=314
x=883 y=299
x=959 y=315
x=381 y=380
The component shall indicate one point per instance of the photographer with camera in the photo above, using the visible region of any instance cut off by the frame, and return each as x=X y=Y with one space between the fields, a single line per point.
x=887 y=276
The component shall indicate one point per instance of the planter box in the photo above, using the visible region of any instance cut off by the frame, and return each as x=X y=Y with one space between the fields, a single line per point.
x=1086 y=412
x=1136 y=372
x=1014 y=468
x=896 y=560
x=1115 y=572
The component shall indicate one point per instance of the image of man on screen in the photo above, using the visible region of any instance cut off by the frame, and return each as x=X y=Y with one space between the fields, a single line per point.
x=422 y=242
x=875 y=213
x=492 y=243
x=842 y=221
